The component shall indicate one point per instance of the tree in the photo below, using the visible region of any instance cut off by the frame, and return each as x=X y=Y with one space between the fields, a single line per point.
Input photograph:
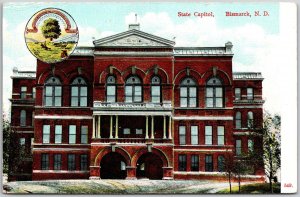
x=51 y=29
x=6 y=143
x=228 y=164
x=271 y=145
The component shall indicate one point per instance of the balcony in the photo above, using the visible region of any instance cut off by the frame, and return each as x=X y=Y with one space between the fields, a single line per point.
x=99 y=105
x=259 y=102
x=131 y=140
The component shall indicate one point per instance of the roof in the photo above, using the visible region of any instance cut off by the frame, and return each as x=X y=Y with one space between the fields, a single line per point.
x=247 y=76
x=23 y=74
x=133 y=38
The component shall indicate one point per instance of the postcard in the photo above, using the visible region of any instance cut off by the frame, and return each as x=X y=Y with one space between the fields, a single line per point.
x=149 y=98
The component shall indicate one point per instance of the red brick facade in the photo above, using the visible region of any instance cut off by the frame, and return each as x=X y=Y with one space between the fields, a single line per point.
x=137 y=133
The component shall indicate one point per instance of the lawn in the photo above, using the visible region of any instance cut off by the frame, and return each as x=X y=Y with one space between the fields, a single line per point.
x=257 y=188
x=52 y=53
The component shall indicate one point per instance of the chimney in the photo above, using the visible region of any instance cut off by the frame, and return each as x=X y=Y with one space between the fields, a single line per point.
x=228 y=47
x=135 y=25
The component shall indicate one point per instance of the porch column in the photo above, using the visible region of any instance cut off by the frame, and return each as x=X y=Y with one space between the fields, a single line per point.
x=111 y=127
x=117 y=127
x=93 y=127
x=170 y=127
x=152 y=127
x=146 y=137
x=164 y=128
x=99 y=127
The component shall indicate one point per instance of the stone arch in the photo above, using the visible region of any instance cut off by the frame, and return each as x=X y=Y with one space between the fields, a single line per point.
x=133 y=70
x=156 y=151
x=111 y=70
x=187 y=72
x=160 y=72
x=107 y=150
x=219 y=73
x=56 y=73
x=74 y=75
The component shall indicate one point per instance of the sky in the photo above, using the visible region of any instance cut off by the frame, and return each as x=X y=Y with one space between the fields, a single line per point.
x=255 y=39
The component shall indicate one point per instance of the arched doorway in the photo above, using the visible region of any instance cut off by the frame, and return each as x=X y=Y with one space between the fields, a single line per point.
x=113 y=166
x=149 y=165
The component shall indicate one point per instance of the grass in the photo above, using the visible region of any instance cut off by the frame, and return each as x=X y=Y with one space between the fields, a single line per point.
x=51 y=55
x=257 y=188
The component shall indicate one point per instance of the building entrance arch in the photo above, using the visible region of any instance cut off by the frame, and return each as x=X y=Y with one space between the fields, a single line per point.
x=149 y=165
x=113 y=166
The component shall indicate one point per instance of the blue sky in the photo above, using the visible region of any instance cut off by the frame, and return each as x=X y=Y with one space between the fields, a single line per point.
x=254 y=38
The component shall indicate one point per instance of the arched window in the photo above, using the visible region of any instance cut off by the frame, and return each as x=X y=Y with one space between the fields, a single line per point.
x=214 y=93
x=250 y=119
x=53 y=92
x=133 y=90
x=155 y=90
x=111 y=89
x=23 y=118
x=221 y=163
x=238 y=120
x=79 y=92
x=188 y=93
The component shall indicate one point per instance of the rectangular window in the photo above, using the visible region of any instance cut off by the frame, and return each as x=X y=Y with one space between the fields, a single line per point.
x=192 y=97
x=57 y=96
x=209 y=97
x=219 y=97
x=72 y=134
x=83 y=96
x=45 y=162
x=33 y=93
x=155 y=94
x=221 y=134
x=194 y=135
x=74 y=96
x=250 y=93
x=126 y=131
x=23 y=92
x=238 y=146
x=137 y=94
x=111 y=94
x=237 y=93
x=183 y=96
x=182 y=162
x=138 y=131
x=83 y=162
x=195 y=163
x=46 y=134
x=58 y=134
x=57 y=162
x=84 y=135
x=208 y=135
x=128 y=94
x=71 y=162
x=208 y=163
x=182 y=134
x=250 y=145
x=48 y=95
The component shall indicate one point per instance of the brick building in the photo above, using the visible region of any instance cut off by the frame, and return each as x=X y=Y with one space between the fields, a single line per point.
x=135 y=106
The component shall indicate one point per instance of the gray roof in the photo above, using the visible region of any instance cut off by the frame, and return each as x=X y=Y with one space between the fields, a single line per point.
x=247 y=76
x=23 y=74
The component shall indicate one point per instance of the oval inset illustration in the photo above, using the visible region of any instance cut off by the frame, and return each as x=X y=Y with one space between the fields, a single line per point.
x=51 y=35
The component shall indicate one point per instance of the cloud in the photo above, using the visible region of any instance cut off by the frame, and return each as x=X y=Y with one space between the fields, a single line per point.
x=255 y=50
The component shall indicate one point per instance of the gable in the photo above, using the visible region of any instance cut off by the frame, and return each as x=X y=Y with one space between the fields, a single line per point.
x=133 y=38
